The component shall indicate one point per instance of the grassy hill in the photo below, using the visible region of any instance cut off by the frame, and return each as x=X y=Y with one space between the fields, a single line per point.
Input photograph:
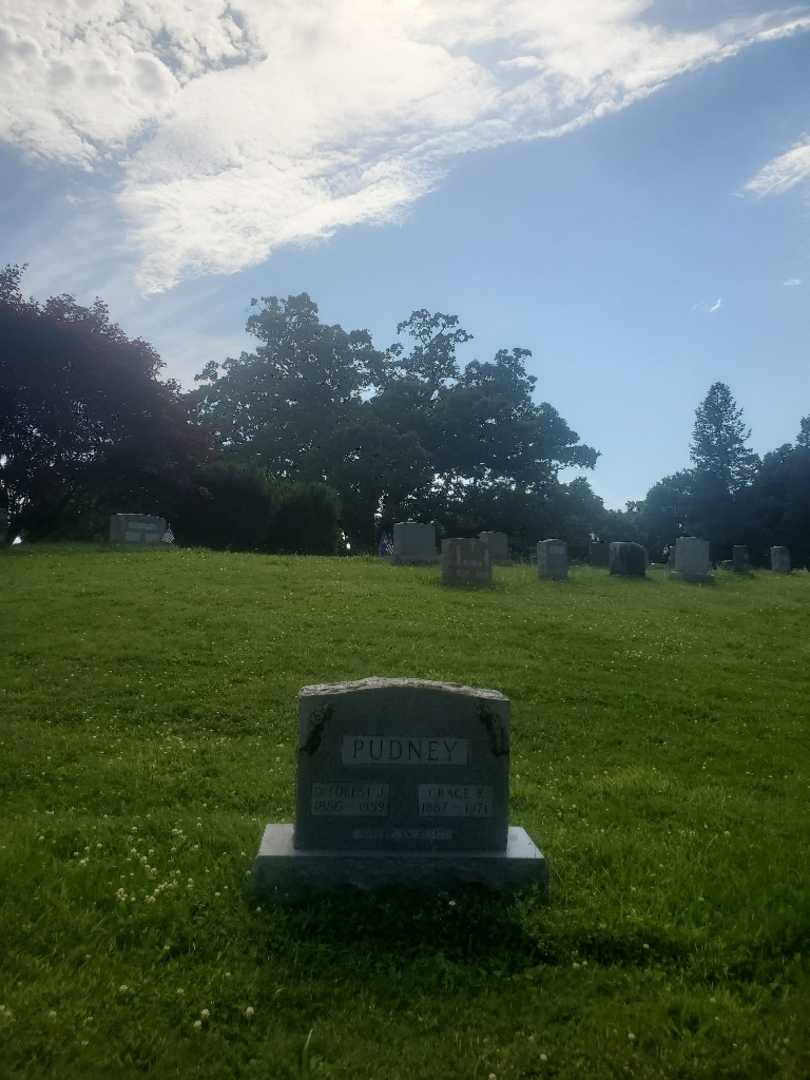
x=661 y=759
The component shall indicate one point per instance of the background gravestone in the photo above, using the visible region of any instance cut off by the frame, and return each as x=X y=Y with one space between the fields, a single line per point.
x=598 y=554
x=497 y=544
x=628 y=559
x=780 y=560
x=400 y=781
x=414 y=542
x=739 y=559
x=465 y=562
x=3 y=525
x=136 y=529
x=552 y=559
x=690 y=561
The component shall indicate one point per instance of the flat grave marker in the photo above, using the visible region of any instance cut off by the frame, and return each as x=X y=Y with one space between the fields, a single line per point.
x=143 y=529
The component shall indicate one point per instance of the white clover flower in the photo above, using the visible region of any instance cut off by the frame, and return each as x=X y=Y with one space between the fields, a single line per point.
x=205 y=1014
x=197 y=1025
x=250 y=1012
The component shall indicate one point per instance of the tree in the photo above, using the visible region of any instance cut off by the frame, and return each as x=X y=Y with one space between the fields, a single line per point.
x=280 y=407
x=84 y=420
x=480 y=425
x=404 y=431
x=718 y=445
x=803 y=438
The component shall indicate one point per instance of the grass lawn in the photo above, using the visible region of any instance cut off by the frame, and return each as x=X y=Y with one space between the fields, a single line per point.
x=661 y=759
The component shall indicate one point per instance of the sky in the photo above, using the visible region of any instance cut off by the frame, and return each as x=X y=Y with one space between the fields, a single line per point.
x=621 y=186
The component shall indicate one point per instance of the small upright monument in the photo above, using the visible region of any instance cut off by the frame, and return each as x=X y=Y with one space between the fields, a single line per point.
x=497 y=544
x=552 y=560
x=465 y=562
x=598 y=554
x=414 y=542
x=780 y=560
x=739 y=559
x=689 y=560
x=628 y=559
x=400 y=782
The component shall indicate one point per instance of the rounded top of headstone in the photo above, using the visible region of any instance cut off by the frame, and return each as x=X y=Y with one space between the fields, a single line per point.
x=379 y=683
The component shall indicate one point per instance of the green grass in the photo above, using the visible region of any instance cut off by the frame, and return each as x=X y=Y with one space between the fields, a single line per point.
x=661 y=760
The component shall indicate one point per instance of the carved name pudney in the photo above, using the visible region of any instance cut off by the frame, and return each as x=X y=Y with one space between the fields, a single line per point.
x=404 y=750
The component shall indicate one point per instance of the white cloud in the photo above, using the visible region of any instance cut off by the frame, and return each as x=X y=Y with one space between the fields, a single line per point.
x=784 y=172
x=792 y=282
x=716 y=305
x=230 y=129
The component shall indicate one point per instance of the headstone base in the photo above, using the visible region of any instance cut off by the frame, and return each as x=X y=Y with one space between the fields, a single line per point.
x=697 y=579
x=281 y=869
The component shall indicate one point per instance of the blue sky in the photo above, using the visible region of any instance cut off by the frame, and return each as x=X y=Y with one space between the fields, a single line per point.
x=621 y=186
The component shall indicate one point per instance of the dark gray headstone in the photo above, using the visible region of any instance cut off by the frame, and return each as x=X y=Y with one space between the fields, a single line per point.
x=414 y=542
x=780 y=560
x=400 y=781
x=465 y=562
x=497 y=544
x=552 y=559
x=399 y=763
x=628 y=559
x=136 y=529
x=739 y=559
x=598 y=554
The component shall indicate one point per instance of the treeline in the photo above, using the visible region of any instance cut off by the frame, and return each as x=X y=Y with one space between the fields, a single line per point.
x=313 y=439
x=729 y=495
x=317 y=439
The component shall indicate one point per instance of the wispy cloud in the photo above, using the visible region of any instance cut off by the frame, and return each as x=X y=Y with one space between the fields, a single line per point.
x=792 y=282
x=706 y=307
x=226 y=131
x=784 y=172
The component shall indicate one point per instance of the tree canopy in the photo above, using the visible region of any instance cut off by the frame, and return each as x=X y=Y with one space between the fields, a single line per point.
x=316 y=437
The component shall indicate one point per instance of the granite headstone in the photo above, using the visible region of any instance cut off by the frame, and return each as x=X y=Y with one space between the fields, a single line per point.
x=400 y=782
x=136 y=529
x=552 y=559
x=780 y=560
x=497 y=544
x=598 y=554
x=414 y=542
x=739 y=559
x=691 y=560
x=627 y=559
x=465 y=562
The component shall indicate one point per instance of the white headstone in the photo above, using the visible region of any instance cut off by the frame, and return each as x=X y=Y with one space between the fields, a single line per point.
x=691 y=560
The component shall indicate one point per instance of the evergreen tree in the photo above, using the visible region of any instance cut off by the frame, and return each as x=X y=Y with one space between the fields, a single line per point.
x=718 y=449
x=803 y=438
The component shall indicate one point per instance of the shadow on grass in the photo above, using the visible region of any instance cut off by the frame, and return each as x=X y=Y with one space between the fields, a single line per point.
x=475 y=922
